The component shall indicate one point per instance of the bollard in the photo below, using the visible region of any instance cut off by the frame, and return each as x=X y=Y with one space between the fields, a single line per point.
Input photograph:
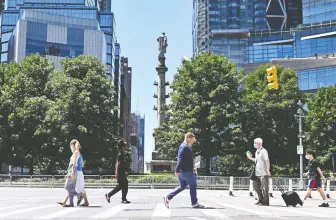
x=290 y=185
x=251 y=188
x=231 y=186
x=328 y=189
x=270 y=187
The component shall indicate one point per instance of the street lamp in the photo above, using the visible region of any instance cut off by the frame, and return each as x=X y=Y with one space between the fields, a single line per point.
x=300 y=146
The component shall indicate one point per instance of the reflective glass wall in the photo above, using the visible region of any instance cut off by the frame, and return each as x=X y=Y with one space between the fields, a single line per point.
x=264 y=47
x=317 y=44
x=84 y=9
x=318 y=10
x=312 y=79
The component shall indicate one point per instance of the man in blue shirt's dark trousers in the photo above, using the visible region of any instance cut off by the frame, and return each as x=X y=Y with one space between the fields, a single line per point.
x=185 y=172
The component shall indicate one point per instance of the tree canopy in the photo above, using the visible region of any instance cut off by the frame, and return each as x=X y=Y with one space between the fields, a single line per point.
x=205 y=100
x=42 y=109
x=321 y=120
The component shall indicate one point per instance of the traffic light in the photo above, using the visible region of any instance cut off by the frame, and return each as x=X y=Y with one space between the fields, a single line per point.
x=272 y=78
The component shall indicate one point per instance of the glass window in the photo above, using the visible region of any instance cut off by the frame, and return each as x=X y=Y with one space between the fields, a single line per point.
x=4 y=47
x=37 y=31
x=75 y=36
x=4 y=57
x=6 y=36
x=53 y=49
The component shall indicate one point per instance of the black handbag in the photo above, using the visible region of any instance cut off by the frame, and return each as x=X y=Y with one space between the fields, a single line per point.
x=253 y=176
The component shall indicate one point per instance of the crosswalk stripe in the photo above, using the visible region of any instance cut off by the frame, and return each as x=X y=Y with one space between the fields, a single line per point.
x=64 y=211
x=306 y=212
x=25 y=210
x=10 y=207
x=197 y=218
x=261 y=213
x=111 y=212
x=214 y=213
x=161 y=211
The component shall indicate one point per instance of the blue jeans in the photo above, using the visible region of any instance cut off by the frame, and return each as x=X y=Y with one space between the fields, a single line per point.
x=185 y=179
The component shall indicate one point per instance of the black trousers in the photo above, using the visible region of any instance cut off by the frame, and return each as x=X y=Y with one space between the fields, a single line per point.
x=123 y=186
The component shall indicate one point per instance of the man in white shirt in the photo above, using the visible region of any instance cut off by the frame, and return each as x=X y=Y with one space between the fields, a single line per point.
x=262 y=172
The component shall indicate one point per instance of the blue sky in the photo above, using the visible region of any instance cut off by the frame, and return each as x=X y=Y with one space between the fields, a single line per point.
x=138 y=24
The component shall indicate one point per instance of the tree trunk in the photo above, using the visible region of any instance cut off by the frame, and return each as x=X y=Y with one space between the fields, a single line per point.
x=207 y=166
x=31 y=167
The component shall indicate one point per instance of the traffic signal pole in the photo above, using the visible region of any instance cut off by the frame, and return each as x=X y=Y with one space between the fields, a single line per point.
x=300 y=116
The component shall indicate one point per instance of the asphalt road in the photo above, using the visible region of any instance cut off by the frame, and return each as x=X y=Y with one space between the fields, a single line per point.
x=34 y=203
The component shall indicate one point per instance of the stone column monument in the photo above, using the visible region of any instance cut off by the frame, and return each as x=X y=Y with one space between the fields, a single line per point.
x=158 y=164
x=161 y=70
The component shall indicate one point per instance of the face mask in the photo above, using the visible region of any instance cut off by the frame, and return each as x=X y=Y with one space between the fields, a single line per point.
x=255 y=145
x=307 y=157
x=72 y=149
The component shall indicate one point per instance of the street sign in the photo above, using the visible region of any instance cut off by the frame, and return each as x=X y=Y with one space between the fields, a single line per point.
x=299 y=149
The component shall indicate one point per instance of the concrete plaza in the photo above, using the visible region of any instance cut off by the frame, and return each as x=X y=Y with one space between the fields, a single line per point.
x=35 y=203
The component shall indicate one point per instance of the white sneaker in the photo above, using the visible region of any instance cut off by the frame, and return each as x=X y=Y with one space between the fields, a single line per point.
x=198 y=206
x=166 y=201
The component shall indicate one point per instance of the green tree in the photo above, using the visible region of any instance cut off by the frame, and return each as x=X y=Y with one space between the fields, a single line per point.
x=270 y=114
x=205 y=100
x=5 y=110
x=25 y=104
x=321 y=119
x=84 y=103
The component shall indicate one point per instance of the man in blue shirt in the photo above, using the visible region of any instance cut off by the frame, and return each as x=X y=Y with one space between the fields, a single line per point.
x=185 y=172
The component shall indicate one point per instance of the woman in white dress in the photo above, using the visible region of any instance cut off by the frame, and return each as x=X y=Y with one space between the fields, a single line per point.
x=80 y=183
x=75 y=175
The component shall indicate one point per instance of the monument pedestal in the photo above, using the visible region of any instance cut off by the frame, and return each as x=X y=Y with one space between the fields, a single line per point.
x=157 y=165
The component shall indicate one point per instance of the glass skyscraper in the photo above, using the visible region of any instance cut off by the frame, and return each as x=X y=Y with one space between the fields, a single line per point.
x=256 y=31
x=225 y=26
x=78 y=16
x=316 y=38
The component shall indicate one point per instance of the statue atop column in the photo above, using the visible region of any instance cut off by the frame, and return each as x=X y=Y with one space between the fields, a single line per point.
x=163 y=43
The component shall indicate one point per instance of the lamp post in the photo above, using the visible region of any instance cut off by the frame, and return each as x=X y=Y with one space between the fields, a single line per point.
x=300 y=136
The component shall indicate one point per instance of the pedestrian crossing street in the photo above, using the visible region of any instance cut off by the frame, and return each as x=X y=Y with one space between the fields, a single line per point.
x=149 y=205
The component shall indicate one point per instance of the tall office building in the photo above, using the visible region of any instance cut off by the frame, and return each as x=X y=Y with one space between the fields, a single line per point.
x=137 y=130
x=54 y=31
x=318 y=11
x=315 y=39
x=117 y=78
x=225 y=26
x=134 y=129
x=125 y=98
x=141 y=145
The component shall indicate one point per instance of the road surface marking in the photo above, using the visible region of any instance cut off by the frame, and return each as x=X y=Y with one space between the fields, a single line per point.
x=111 y=212
x=25 y=210
x=11 y=207
x=161 y=211
x=64 y=211
x=259 y=213
x=302 y=212
x=214 y=213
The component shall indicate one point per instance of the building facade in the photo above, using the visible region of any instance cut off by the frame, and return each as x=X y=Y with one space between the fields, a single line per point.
x=134 y=128
x=224 y=26
x=273 y=29
x=137 y=129
x=141 y=144
x=71 y=14
x=52 y=37
x=125 y=98
x=117 y=79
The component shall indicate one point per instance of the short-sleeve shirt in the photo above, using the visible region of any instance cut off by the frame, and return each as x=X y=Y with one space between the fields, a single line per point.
x=121 y=159
x=312 y=168
x=261 y=159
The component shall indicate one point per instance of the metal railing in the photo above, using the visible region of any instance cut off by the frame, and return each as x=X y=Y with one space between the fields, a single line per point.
x=150 y=182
